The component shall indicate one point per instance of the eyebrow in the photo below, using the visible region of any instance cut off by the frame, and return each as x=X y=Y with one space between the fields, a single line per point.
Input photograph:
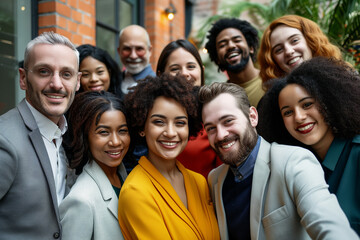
x=107 y=127
x=301 y=100
x=286 y=40
x=164 y=117
x=221 y=118
x=227 y=39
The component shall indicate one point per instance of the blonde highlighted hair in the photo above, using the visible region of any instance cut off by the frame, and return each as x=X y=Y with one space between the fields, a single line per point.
x=317 y=41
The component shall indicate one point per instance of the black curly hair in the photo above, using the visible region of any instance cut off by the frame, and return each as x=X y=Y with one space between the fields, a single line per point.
x=140 y=100
x=249 y=32
x=334 y=85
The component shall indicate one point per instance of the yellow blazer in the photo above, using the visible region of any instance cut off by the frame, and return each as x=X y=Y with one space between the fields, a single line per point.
x=149 y=207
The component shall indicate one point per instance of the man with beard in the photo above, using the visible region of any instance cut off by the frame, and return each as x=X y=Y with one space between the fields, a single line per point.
x=135 y=51
x=263 y=190
x=232 y=45
x=33 y=162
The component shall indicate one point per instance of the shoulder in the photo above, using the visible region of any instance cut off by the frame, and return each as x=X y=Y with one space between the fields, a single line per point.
x=85 y=189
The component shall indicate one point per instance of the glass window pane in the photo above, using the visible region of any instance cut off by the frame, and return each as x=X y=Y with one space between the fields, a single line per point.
x=105 y=39
x=105 y=11
x=126 y=12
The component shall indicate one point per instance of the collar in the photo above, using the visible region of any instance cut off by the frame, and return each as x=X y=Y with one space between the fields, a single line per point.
x=245 y=169
x=47 y=127
x=147 y=71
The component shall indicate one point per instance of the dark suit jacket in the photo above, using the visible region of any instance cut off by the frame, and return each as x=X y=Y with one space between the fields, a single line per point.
x=28 y=204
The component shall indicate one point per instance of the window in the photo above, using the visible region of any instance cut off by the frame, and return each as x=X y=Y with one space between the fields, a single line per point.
x=111 y=17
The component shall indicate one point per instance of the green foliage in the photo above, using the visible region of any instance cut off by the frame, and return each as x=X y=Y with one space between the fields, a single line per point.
x=339 y=19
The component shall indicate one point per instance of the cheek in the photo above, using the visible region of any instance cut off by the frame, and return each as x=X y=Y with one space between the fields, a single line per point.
x=288 y=124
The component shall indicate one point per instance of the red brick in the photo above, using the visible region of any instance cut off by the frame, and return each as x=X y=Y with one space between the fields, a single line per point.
x=86 y=7
x=85 y=30
x=73 y=3
x=62 y=9
x=61 y=22
x=76 y=39
x=72 y=26
x=76 y=16
x=48 y=20
x=88 y=20
x=46 y=7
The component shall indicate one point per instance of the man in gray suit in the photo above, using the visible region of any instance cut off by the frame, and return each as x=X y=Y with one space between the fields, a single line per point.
x=32 y=161
x=263 y=190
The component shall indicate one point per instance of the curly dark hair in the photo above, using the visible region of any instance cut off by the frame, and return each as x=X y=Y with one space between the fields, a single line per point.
x=103 y=56
x=86 y=107
x=140 y=100
x=333 y=84
x=249 y=32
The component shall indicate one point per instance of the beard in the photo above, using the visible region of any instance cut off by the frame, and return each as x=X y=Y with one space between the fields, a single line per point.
x=246 y=145
x=135 y=66
x=225 y=66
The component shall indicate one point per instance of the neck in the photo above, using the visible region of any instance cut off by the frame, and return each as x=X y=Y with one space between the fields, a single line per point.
x=167 y=167
x=111 y=174
x=249 y=73
x=323 y=146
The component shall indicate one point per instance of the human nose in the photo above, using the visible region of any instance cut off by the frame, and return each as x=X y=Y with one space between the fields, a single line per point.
x=300 y=115
x=94 y=77
x=170 y=131
x=186 y=74
x=133 y=54
x=231 y=45
x=114 y=140
x=55 y=81
x=221 y=133
x=289 y=50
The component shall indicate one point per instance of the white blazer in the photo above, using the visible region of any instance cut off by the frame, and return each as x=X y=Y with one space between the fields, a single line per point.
x=289 y=197
x=90 y=210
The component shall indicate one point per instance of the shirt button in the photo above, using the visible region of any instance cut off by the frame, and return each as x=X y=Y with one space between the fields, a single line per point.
x=56 y=235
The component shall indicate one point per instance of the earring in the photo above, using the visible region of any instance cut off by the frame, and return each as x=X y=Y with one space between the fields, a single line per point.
x=142 y=134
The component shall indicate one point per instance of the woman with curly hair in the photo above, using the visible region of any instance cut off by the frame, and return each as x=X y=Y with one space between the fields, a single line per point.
x=161 y=199
x=99 y=71
x=180 y=57
x=318 y=106
x=96 y=145
x=287 y=42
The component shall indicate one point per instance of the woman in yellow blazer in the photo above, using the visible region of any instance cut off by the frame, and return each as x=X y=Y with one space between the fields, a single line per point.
x=161 y=199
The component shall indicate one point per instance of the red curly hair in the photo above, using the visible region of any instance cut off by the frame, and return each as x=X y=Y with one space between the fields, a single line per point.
x=317 y=41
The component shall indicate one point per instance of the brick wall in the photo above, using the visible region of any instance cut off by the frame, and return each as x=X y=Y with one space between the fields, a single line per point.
x=74 y=19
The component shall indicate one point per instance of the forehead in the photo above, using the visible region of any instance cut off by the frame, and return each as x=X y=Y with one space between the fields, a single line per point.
x=167 y=107
x=111 y=118
x=181 y=55
x=223 y=105
x=229 y=33
x=134 y=39
x=54 y=55
x=281 y=33
x=292 y=91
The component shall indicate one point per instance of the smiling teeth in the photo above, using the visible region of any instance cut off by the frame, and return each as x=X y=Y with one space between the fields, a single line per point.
x=228 y=145
x=113 y=153
x=306 y=127
x=57 y=97
x=233 y=55
x=169 y=143
x=294 y=60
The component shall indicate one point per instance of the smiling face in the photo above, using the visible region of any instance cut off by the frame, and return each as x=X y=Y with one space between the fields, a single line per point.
x=232 y=50
x=231 y=134
x=302 y=118
x=109 y=140
x=289 y=47
x=51 y=79
x=183 y=62
x=95 y=75
x=166 y=130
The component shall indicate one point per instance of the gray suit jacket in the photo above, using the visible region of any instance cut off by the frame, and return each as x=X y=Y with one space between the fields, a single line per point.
x=289 y=197
x=28 y=205
x=90 y=211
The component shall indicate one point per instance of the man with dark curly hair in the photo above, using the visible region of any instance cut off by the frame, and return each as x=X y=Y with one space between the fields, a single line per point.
x=232 y=45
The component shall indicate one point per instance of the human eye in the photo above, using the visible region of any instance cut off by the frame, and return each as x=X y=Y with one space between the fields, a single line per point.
x=85 y=75
x=44 y=72
x=67 y=74
x=192 y=66
x=278 y=50
x=174 y=69
x=308 y=105
x=228 y=121
x=123 y=131
x=209 y=129
x=287 y=113
x=103 y=132
x=158 y=122
x=181 y=123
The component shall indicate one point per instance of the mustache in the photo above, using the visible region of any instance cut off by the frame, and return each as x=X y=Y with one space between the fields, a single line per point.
x=52 y=91
x=137 y=60
x=225 y=140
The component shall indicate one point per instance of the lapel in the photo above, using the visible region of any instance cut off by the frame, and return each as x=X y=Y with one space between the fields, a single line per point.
x=260 y=178
x=220 y=210
x=104 y=185
x=167 y=192
x=41 y=152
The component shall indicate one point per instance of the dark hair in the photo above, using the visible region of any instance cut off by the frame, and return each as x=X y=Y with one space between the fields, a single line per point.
x=333 y=84
x=140 y=100
x=103 y=56
x=249 y=32
x=86 y=107
x=171 y=47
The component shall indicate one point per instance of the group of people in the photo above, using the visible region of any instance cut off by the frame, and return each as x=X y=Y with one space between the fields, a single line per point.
x=100 y=153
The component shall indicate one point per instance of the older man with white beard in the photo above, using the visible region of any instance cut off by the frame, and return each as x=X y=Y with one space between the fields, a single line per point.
x=264 y=190
x=135 y=51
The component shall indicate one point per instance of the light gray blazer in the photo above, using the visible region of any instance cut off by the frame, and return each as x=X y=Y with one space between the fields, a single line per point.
x=28 y=203
x=90 y=210
x=289 y=197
